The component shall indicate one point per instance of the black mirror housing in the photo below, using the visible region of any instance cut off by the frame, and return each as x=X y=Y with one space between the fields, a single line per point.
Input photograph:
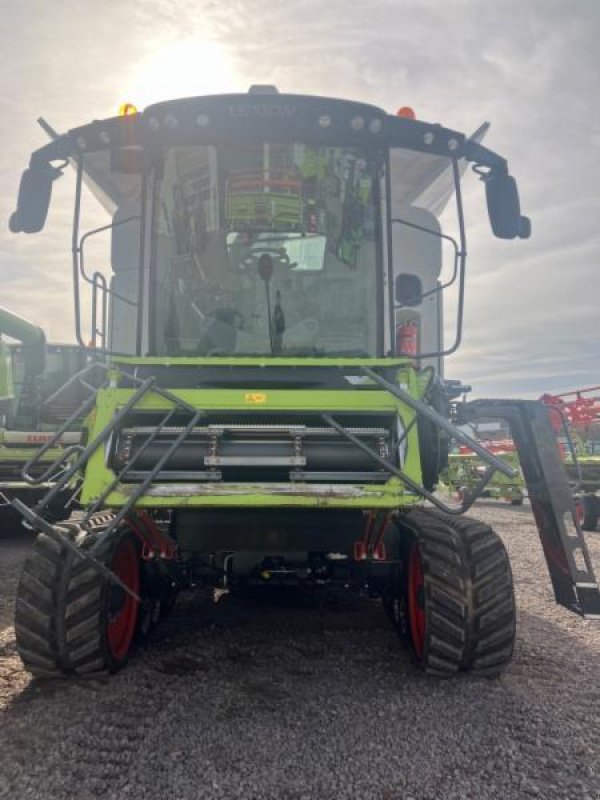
x=504 y=208
x=33 y=202
x=408 y=290
x=525 y=228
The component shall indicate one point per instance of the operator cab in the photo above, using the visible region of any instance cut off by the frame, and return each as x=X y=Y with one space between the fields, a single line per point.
x=266 y=249
x=271 y=225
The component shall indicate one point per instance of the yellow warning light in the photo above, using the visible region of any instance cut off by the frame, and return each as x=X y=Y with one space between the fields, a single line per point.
x=406 y=112
x=127 y=110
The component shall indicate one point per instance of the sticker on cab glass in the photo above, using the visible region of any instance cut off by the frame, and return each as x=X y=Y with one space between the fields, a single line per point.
x=255 y=397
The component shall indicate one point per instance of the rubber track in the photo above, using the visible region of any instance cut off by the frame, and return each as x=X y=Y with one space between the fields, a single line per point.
x=58 y=611
x=469 y=596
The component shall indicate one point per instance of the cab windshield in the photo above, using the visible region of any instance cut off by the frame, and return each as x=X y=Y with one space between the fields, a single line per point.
x=265 y=249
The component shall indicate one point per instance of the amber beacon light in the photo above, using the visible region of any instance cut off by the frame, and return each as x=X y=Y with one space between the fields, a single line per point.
x=127 y=110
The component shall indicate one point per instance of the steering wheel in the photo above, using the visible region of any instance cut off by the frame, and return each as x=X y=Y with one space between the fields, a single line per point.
x=281 y=256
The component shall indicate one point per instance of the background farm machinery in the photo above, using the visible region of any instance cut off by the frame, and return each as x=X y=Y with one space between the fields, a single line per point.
x=575 y=416
x=31 y=372
x=466 y=468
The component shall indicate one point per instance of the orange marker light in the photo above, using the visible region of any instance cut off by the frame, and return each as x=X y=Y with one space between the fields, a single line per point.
x=406 y=112
x=127 y=110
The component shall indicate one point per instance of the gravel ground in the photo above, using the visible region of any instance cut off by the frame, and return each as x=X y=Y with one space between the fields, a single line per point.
x=311 y=700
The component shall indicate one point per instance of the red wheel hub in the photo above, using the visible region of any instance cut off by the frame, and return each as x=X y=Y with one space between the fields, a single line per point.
x=122 y=620
x=579 y=511
x=416 y=601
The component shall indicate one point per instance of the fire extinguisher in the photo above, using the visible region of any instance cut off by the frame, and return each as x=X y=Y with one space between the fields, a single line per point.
x=407 y=334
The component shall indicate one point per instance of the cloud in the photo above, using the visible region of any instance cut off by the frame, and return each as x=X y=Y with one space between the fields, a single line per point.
x=532 y=69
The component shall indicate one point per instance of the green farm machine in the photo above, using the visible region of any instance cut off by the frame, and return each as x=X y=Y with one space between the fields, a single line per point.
x=264 y=404
x=465 y=469
x=31 y=371
x=33 y=342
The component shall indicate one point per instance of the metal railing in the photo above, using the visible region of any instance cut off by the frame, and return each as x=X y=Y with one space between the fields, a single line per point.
x=68 y=466
x=65 y=470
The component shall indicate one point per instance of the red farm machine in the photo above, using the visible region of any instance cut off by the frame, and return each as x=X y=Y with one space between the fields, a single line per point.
x=252 y=411
x=575 y=416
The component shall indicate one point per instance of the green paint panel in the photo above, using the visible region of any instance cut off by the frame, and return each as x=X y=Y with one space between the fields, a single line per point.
x=256 y=400
x=258 y=361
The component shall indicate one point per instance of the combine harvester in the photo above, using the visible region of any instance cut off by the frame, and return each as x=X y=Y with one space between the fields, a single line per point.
x=252 y=416
x=30 y=373
x=576 y=415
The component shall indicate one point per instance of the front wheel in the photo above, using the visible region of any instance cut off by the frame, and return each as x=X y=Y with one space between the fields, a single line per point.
x=453 y=603
x=70 y=618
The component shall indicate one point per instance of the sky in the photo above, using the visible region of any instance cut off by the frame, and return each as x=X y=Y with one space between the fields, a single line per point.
x=532 y=319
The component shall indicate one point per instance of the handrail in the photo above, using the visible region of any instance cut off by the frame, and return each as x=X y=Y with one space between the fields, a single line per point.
x=441 y=421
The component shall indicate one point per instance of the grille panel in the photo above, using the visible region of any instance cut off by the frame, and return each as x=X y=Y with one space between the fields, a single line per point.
x=265 y=447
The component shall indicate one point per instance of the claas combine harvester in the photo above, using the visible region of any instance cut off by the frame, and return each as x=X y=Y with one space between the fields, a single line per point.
x=249 y=414
x=31 y=371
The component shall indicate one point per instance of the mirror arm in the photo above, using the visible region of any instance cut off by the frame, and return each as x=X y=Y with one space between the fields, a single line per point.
x=483 y=156
x=59 y=149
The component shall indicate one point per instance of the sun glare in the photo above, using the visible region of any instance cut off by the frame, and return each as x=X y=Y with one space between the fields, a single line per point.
x=182 y=69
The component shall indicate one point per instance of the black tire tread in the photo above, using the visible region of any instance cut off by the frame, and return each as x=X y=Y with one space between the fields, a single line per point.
x=469 y=596
x=58 y=620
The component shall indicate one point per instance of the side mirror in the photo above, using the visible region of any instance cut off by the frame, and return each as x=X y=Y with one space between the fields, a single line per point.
x=504 y=209
x=408 y=290
x=34 y=199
